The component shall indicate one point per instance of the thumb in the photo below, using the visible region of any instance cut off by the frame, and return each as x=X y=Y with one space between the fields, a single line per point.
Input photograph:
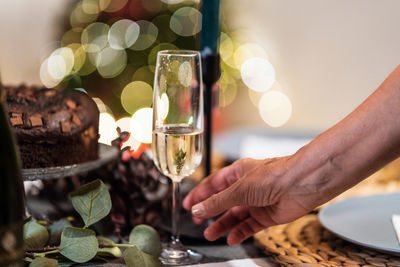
x=218 y=203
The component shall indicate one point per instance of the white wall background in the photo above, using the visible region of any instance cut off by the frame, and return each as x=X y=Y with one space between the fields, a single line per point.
x=27 y=29
x=329 y=55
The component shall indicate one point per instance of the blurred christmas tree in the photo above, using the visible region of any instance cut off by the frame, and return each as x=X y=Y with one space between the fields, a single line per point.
x=109 y=48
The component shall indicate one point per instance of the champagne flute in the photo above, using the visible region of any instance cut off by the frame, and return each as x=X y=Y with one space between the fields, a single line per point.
x=177 y=133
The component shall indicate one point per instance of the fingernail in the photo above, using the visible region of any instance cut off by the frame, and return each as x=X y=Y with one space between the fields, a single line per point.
x=198 y=210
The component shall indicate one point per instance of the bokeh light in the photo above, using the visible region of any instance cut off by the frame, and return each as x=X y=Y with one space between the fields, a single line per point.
x=227 y=90
x=132 y=143
x=248 y=51
x=90 y=7
x=185 y=73
x=256 y=96
x=144 y=74
x=110 y=62
x=141 y=125
x=88 y=67
x=107 y=128
x=258 y=74
x=153 y=53
x=123 y=34
x=57 y=66
x=79 y=55
x=61 y=62
x=112 y=5
x=45 y=77
x=162 y=107
x=147 y=36
x=72 y=36
x=136 y=95
x=80 y=17
x=172 y=2
x=95 y=37
x=225 y=47
x=186 y=21
x=275 y=108
x=124 y=124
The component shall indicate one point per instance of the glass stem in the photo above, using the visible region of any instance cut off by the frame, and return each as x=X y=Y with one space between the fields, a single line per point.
x=176 y=207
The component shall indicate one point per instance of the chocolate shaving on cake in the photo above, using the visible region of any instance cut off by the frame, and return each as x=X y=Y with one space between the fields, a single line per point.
x=36 y=120
x=16 y=121
x=65 y=127
x=71 y=104
x=76 y=120
x=50 y=93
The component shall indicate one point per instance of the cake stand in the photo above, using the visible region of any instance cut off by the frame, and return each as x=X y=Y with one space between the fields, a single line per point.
x=106 y=155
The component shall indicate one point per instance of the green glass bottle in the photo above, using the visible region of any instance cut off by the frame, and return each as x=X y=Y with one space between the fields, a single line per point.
x=11 y=193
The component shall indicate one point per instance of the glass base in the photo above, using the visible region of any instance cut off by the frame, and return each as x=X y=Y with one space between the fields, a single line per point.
x=174 y=257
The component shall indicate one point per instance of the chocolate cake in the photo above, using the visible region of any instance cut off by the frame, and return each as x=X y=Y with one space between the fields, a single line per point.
x=53 y=128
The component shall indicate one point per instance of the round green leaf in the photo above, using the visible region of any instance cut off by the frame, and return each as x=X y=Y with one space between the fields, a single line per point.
x=44 y=262
x=92 y=201
x=78 y=245
x=134 y=257
x=55 y=231
x=147 y=239
x=35 y=235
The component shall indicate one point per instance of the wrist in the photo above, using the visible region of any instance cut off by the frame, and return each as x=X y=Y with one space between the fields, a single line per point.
x=317 y=172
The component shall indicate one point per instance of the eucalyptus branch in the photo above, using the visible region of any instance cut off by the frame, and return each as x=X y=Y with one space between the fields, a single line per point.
x=45 y=249
x=43 y=254
x=113 y=245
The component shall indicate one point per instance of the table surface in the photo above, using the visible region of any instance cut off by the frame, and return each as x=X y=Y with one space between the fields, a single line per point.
x=213 y=253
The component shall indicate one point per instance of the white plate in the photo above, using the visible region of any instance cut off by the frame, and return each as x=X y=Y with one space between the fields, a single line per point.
x=365 y=221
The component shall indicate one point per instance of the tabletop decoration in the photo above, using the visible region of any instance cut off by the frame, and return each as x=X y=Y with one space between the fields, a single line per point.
x=139 y=192
x=92 y=201
x=305 y=241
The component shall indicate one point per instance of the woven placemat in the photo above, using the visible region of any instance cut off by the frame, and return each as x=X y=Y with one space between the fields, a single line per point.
x=306 y=243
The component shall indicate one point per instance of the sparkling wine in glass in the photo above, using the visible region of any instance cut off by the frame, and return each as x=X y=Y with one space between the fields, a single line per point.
x=177 y=133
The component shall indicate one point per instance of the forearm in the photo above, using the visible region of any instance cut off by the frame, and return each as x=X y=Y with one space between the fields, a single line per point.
x=359 y=145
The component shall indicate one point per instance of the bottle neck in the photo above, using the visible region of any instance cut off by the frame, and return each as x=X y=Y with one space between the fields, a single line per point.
x=11 y=189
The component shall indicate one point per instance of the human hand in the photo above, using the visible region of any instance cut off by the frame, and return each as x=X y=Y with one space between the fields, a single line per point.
x=255 y=193
x=258 y=194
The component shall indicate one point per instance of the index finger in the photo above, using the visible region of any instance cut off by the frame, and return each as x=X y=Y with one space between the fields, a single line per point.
x=214 y=183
